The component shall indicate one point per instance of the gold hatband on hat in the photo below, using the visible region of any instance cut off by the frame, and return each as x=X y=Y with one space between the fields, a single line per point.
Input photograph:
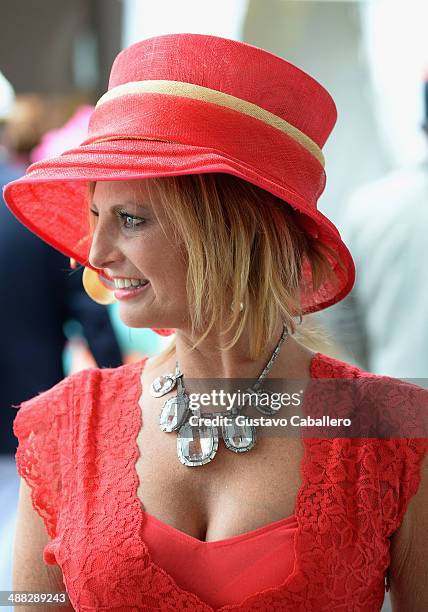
x=205 y=94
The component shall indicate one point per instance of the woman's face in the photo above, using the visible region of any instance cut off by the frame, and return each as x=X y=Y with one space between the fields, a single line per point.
x=129 y=242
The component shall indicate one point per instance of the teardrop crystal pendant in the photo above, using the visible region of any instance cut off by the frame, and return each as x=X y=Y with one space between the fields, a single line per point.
x=238 y=438
x=197 y=444
x=163 y=384
x=174 y=413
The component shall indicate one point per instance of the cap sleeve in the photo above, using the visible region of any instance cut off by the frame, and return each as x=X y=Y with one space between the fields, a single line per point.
x=411 y=455
x=404 y=456
x=44 y=455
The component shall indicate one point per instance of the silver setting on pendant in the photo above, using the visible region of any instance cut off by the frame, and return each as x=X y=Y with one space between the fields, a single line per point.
x=238 y=438
x=197 y=445
x=162 y=385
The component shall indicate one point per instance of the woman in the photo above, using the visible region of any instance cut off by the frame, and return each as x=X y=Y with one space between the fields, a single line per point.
x=194 y=197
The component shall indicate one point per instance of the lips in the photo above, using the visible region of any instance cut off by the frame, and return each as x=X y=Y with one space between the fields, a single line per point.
x=124 y=294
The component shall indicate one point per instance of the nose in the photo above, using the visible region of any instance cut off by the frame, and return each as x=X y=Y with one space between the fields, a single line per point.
x=102 y=252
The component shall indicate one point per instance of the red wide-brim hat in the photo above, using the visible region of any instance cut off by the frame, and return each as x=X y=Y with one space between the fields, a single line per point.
x=194 y=103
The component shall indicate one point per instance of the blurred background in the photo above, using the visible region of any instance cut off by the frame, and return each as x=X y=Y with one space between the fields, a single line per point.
x=372 y=56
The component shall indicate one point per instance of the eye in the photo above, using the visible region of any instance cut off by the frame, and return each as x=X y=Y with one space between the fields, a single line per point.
x=129 y=221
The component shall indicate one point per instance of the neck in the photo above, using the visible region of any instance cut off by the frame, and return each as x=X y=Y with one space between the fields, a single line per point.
x=209 y=361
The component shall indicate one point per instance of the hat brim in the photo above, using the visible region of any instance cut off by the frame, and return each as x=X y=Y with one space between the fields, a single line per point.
x=51 y=199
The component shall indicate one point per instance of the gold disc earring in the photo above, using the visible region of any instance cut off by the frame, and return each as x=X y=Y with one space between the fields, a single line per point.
x=96 y=290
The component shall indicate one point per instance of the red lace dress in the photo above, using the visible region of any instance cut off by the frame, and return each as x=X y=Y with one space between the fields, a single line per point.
x=77 y=451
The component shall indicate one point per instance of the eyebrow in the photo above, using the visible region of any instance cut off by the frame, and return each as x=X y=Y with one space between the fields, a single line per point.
x=129 y=204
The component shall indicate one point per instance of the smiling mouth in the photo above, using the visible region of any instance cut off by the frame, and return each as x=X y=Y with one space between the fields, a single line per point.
x=112 y=286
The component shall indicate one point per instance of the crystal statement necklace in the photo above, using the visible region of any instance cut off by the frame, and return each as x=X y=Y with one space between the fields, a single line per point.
x=198 y=444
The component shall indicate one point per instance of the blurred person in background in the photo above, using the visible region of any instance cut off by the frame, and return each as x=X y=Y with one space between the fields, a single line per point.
x=382 y=325
x=11 y=166
x=40 y=291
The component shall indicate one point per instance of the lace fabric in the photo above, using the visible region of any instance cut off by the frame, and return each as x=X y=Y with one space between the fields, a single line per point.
x=77 y=451
x=43 y=456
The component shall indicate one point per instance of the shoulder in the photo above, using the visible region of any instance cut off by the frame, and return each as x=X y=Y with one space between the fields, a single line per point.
x=394 y=452
x=62 y=403
x=399 y=406
x=402 y=401
x=325 y=366
x=100 y=381
x=101 y=396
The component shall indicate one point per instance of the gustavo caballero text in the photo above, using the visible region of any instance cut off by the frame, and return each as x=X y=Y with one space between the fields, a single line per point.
x=269 y=421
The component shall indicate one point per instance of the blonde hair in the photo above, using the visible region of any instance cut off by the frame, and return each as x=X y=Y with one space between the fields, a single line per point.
x=242 y=244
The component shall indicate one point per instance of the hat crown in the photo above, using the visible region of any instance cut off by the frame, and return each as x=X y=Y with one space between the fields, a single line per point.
x=234 y=68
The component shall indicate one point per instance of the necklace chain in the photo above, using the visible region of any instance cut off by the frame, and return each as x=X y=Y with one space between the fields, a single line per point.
x=255 y=388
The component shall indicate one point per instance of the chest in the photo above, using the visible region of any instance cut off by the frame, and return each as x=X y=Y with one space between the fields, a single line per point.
x=232 y=494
